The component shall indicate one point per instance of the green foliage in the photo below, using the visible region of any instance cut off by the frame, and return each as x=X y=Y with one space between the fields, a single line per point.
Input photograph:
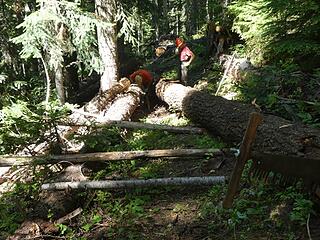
x=95 y=218
x=257 y=208
x=277 y=30
x=23 y=124
x=104 y=140
x=119 y=208
x=301 y=205
x=60 y=28
x=14 y=205
x=10 y=216
x=285 y=91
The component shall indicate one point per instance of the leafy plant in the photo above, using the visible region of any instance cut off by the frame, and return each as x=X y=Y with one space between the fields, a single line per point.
x=23 y=124
x=58 y=28
x=277 y=30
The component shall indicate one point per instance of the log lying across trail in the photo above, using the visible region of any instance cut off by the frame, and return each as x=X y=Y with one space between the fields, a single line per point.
x=228 y=119
x=107 y=156
x=141 y=125
x=135 y=183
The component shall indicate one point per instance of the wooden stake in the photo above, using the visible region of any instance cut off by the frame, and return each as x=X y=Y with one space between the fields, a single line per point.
x=245 y=149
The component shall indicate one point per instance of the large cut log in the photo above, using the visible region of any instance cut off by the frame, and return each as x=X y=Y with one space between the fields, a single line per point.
x=101 y=101
x=228 y=119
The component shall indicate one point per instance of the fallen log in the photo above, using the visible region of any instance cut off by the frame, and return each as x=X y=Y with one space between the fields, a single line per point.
x=100 y=102
x=98 y=106
x=140 y=125
x=228 y=119
x=107 y=156
x=121 y=107
x=134 y=183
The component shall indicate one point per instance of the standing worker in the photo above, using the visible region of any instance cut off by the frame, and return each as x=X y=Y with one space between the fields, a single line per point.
x=186 y=56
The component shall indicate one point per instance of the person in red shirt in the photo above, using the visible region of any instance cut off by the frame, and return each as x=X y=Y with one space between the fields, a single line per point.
x=142 y=78
x=186 y=56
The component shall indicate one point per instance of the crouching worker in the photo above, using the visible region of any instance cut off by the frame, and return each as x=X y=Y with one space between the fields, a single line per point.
x=143 y=79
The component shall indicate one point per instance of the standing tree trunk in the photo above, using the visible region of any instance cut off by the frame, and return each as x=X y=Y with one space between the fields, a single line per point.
x=107 y=40
x=155 y=19
x=59 y=81
x=166 y=25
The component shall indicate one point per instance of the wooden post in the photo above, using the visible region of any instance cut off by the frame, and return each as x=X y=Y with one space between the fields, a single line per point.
x=245 y=150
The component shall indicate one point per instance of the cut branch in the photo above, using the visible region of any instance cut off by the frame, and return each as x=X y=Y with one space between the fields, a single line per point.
x=69 y=216
x=135 y=183
x=107 y=156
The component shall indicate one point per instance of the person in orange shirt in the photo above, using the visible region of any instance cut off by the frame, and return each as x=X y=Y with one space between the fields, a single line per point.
x=142 y=78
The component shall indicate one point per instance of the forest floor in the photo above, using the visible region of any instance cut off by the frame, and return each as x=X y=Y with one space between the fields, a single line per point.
x=260 y=210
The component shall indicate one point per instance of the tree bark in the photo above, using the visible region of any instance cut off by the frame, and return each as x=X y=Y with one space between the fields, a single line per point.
x=134 y=183
x=228 y=119
x=106 y=156
x=101 y=101
x=107 y=40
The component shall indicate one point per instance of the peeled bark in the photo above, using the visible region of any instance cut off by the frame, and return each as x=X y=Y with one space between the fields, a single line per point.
x=235 y=67
x=228 y=119
x=123 y=105
x=119 y=108
x=100 y=102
